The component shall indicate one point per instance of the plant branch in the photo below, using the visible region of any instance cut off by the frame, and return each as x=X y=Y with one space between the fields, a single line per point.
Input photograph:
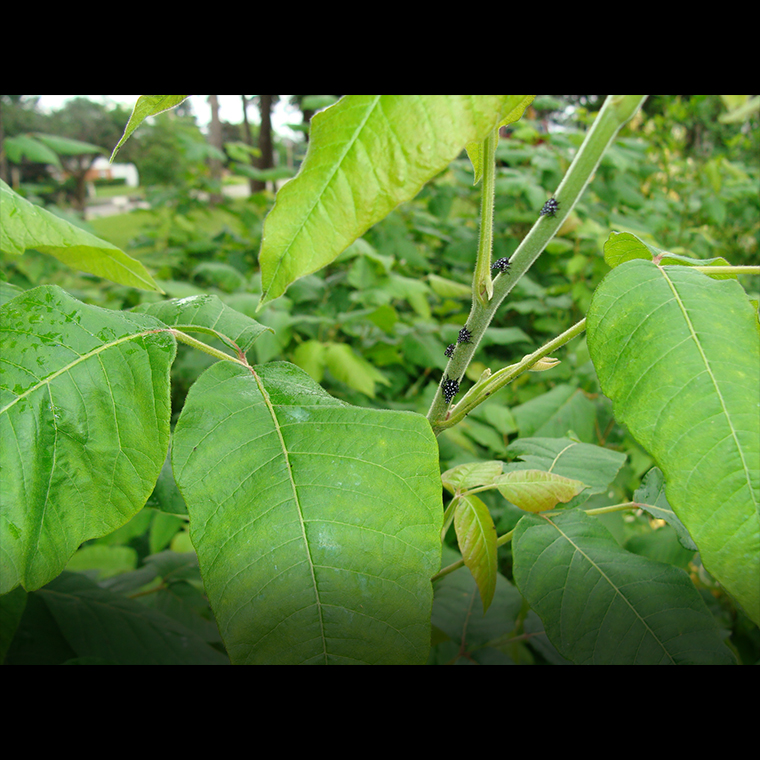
x=482 y=285
x=488 y=385
x=615 y=112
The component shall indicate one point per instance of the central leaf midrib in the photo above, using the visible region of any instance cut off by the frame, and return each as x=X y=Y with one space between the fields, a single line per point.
x=296 y=499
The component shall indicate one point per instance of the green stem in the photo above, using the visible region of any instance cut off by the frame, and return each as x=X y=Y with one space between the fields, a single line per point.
x=201 y=346
x=482 y=285
x=613 y=508
x=480 y=392
x=615 y=112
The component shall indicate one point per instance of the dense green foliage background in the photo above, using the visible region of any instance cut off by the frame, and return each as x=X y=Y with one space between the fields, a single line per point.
x=372 y=327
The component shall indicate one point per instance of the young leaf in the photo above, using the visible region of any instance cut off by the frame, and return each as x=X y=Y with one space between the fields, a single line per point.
x=679 y=355
x=476 y=535
x=367 y=154
x=84 y=426
x=471 y=475
x=24 y=225
x=602 y=605
x=536 y=490
x=317 y=524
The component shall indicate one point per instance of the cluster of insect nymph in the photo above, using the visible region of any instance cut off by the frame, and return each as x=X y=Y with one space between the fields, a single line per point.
x=450 y=387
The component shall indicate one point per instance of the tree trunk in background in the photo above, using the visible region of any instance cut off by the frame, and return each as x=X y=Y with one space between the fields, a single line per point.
x=248 y=138
x=266 y=160
x=215 y=138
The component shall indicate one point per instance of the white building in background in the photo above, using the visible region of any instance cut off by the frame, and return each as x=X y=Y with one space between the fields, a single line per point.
x=101 y=169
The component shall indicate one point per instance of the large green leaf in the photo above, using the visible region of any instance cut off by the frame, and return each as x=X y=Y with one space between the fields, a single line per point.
x=24 y=225
x=367 y=154
x=317 y=524
x=603 y=605
x=679 y=355
x=84 y=426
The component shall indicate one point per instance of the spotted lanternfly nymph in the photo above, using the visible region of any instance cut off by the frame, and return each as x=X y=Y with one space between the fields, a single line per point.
x=550 y=207
x=502 y=265
x=450 y=350
x=450 y=388
x=464 y=335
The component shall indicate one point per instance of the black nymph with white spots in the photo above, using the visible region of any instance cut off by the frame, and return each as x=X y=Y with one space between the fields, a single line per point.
x=450 y=388
x=550 y=207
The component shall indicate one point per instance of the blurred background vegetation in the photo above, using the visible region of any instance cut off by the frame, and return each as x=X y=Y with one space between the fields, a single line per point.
x=373 y=326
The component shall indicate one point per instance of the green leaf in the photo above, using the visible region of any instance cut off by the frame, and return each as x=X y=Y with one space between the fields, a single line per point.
x=8 y=291
x=595 y=466
x=476 y=536
x=106 y=560
x=679 y=355
x=12 y=607
x=518 y=105
x=650 y=497
x=602 y=605
x=218 y=275
x=353 y=370
x=537 y=490
x=24 y=225
x=27 y=147
x=448 y=288
x=557 y=412
x=624 y=246
x=207 y=313
x=98 y=623
x=65 y=146
x=317 y=524
x=310 y=357
x=367 y=154
x=471 y=475
x=147 y=105
x=84 y=426
x=458 y=611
